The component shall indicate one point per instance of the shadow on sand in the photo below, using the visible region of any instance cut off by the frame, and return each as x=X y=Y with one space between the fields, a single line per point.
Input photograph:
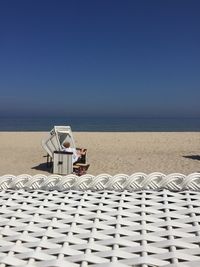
x=43 y=167
x=194 y=157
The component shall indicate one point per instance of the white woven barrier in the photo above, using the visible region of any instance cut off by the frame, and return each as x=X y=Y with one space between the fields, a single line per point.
x=119 y=182
x=100 y=229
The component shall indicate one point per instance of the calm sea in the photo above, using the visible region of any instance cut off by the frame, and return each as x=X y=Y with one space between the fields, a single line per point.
x=102 y=124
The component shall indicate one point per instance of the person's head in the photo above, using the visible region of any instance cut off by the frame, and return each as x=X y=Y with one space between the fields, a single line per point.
x=66 y=144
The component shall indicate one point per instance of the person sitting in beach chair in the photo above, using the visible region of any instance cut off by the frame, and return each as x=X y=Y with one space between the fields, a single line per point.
x=78 y=158
x=78 y=154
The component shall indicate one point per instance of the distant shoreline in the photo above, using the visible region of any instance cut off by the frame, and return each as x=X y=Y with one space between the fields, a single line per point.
x=42 y=124
x=47 y=131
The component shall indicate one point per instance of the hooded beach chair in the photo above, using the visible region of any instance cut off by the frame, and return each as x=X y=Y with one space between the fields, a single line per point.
x=62 y=161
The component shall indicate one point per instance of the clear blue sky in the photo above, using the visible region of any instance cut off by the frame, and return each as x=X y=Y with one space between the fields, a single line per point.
x=104 y=57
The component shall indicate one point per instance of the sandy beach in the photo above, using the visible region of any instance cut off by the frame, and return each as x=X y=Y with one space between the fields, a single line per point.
x=21 y=152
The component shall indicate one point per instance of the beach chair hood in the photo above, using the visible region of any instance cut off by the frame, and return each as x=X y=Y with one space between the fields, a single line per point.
x=57 y=136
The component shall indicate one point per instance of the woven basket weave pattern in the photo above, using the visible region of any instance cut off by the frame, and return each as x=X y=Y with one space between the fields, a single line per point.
x=143 y=228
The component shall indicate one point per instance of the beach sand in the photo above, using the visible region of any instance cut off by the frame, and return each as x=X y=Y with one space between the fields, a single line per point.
x=112 y=153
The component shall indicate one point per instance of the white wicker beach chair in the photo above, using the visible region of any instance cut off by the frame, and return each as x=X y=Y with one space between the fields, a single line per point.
x=53 y=145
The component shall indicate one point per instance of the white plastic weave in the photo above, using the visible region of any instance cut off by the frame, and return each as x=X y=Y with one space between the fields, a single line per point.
x=119 y=182
x=102 y=228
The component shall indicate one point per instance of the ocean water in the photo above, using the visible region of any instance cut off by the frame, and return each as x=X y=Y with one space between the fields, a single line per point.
x=101 y=124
